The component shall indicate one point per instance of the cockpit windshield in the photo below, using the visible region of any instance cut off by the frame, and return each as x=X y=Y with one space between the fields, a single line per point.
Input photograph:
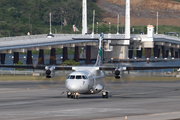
x=68 y=77
x=84 y=77
x=72 y=77
x=77 y=77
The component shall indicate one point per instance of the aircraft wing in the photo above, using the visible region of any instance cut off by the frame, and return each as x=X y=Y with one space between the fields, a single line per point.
x=24 y=66
x=106 y=68
x=130 y=68
x=152 y=67
x=39 y=67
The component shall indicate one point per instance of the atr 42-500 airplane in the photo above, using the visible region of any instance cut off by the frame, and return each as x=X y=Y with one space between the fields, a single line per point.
x=88 y=80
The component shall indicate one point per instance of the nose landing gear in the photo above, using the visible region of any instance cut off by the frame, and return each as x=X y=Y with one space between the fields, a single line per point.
x=72 y=95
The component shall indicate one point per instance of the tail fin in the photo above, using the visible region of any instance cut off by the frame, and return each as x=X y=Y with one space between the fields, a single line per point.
x=99 y=60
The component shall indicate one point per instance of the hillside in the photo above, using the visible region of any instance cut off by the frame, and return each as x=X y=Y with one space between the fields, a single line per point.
x=20 y=16
x=143 y=12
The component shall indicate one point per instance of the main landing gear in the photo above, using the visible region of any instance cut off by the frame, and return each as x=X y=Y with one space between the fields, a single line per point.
x=72 y=95
x=104 y=94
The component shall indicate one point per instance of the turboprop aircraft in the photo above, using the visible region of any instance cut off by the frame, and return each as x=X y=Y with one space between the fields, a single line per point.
x=88 y=79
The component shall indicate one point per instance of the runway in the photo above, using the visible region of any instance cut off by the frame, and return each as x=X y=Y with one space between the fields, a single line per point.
x=138 y=100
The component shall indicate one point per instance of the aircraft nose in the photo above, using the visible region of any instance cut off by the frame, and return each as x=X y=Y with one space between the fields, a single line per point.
x=79 y=86
x=72 y=85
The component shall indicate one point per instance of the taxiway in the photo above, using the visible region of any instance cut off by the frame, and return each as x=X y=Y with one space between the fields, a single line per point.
x=138 y=100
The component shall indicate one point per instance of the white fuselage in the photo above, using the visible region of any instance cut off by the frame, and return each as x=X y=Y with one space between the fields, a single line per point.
x=85 y=82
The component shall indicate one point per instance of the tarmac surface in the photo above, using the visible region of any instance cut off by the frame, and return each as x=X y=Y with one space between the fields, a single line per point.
x=137 y=100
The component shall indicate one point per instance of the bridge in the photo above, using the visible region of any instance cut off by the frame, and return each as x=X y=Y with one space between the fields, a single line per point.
x=119 y=49
x=161 y=44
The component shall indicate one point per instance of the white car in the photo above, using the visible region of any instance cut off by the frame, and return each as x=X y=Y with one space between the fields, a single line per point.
x=50 y=35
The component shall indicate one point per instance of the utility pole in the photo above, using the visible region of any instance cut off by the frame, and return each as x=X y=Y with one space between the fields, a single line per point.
x=50 y=22
x=157 y=24
x=127 y=22
x=84 y=17
x=118 y=24
x=93 y=24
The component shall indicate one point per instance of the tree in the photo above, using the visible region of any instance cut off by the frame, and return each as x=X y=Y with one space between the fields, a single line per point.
x=70 y=62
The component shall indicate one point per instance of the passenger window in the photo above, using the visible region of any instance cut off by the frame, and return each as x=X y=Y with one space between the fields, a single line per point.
x=72 y=77
x=78 y=77
x=84 y=77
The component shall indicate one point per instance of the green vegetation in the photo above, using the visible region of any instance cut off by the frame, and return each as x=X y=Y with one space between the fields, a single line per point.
x=30 y=78
x=70 y=62
x=162 y=29
x=141 y=78
x=19 y=63
x=19 y=16
x=63 y=77
x=176 y=0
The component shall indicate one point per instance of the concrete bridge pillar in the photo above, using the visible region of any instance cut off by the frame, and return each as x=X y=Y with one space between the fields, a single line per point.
x=130 y=54
x=76 y=54
x=3 y=56
x=53 y=56
x=172 y=52
x=29 y=58
x=147 y=52
x=65 y=54
x=88 y=54
x=163 y=52
x=16 y=58
x=156 y=50
x=41 y=57
x=139 y=53
x=176 y=54
x=167 y=53
x=159 y=51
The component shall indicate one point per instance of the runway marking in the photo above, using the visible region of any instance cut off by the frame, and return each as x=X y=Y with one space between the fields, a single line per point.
x=143 y=93
x=15 y=103
x=21 y=90
x=156 y=116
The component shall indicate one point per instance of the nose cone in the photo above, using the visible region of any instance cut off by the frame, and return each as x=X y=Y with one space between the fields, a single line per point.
x=79 y=86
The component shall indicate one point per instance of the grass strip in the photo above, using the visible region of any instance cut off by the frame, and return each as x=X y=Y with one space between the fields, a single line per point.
x=63 y=78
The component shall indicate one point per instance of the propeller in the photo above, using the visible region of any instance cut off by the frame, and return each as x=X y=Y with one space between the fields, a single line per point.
x=118 y=78
x=47 y=82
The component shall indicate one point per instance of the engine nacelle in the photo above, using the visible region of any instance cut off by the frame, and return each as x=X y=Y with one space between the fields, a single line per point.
x=98 y=88
x=118 y=73
x=50 y=71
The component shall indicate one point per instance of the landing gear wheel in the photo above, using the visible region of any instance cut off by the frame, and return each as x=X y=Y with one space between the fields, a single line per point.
x=68 y=95
x=75 y=96
x=105 y=95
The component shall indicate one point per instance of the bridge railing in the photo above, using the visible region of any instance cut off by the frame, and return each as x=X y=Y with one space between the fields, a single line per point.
x=33 y=37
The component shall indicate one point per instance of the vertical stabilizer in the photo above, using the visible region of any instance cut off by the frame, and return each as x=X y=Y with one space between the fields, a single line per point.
x=99 y=60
